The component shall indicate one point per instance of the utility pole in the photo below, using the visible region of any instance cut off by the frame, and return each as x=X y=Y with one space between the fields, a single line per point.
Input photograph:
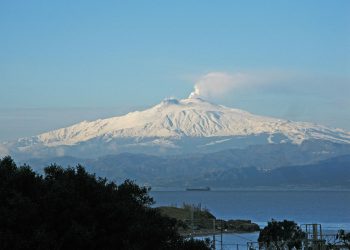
x=214 y=243
x=192 y=218
x=221 y=235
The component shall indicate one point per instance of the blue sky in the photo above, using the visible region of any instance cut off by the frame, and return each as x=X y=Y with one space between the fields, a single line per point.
x=65 y=61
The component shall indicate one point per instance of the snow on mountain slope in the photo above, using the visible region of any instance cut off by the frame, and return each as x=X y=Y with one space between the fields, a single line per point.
x=179 y=126
x=191 y=117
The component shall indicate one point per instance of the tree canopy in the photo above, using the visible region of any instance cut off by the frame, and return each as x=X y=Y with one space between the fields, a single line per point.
x=69 y=208
x=344 y=237
x=281 y=235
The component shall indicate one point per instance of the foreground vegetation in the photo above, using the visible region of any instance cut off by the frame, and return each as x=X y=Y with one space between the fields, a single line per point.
x=72 y=209
x=281 y=235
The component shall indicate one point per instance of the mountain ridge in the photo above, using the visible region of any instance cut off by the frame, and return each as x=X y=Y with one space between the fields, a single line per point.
x=174 y=126
x=192 y=117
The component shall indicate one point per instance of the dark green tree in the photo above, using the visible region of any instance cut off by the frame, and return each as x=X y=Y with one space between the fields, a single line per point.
x=73 y=209
x=281 y=235
x=344 y=237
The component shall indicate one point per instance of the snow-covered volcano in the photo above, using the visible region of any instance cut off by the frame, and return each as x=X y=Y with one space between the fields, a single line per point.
x=173 y=126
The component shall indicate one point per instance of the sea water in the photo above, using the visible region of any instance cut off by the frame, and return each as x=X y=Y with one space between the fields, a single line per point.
x=331 y=209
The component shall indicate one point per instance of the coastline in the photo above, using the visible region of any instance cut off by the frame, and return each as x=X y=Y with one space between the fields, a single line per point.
x=262 y=189
x=204 y=233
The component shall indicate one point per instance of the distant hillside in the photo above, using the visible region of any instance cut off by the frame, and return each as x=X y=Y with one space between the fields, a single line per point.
x=331 y=173
x=254 y=167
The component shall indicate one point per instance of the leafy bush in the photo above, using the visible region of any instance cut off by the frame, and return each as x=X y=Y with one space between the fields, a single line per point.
x=281 y=234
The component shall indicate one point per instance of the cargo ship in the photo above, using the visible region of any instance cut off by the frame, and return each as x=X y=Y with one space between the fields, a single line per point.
x=198 y=189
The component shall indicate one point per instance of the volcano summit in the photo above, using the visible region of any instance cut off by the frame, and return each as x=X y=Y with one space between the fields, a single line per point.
x=173 y=126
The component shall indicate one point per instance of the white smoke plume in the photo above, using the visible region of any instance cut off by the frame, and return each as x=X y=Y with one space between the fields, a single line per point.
x=216 y=84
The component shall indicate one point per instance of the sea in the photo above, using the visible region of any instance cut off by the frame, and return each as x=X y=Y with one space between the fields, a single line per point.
x=331 y=209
